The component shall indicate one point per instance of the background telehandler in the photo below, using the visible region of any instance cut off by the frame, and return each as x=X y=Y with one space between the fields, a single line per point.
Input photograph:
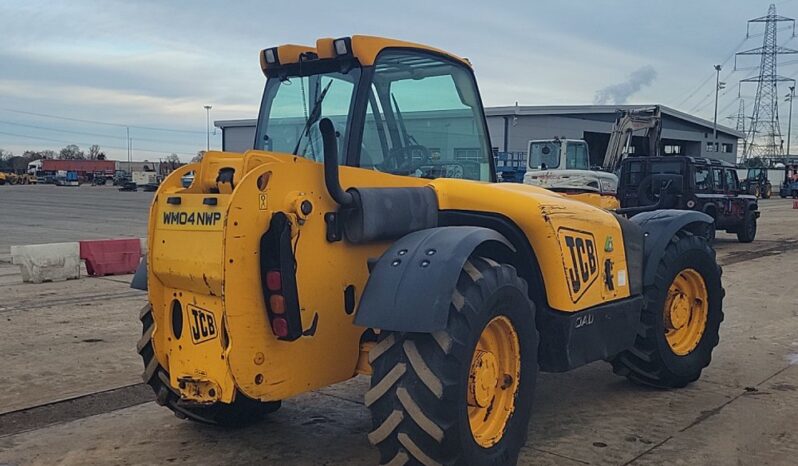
x=365 y=235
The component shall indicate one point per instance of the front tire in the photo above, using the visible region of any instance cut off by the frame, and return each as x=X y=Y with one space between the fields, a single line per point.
x=242 y=412
x=747 y=231
x=681 y=318
x=462 y=394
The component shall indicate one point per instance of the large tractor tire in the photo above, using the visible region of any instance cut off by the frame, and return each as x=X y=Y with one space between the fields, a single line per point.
x=462 y=395
x=680 y=320
x=768 y=191
x=243 y=411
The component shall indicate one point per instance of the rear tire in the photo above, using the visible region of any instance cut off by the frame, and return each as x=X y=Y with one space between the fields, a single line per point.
x=242 y=412
x=757 y=191
x=653 y=361
x=747 y=231
x=421 y=398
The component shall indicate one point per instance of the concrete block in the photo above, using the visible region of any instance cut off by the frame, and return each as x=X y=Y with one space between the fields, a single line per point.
x=47 y=262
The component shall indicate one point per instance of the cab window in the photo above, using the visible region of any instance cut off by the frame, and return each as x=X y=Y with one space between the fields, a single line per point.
x=717 y=180
x=576 y=156
x=702 y=180
x=731 y=180
x=633 y=173
x=544 y=155
x=424 y=119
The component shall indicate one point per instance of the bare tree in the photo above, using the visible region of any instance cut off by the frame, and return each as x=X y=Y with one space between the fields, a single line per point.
x=95 y=153
x=198 y=157
x=172 y=159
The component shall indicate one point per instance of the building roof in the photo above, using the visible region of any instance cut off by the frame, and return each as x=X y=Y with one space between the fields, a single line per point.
x=551 y=110
x=234 y=123
x=611 y=109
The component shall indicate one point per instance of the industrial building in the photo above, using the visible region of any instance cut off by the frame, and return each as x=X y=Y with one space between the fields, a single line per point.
x=511 y=128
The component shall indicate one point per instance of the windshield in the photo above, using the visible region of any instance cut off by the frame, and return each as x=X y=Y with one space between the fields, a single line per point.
x=544 y=155
x=417 y=114
x=293 y=107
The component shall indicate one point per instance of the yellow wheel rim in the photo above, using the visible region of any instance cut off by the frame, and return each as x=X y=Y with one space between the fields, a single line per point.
x=686 y=309
x=493 y=381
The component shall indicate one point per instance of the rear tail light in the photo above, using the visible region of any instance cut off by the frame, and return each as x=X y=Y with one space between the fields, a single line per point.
x=273 y=280
x=278 y=276
x=277 y=304
x=280 y=327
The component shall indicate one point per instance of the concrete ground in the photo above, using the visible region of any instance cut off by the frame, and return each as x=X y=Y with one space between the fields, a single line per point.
x=70 y=391
x=33 y=214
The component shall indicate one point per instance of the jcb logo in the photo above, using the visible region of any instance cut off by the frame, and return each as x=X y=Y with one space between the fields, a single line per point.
x=580 y=260
x=203 y=325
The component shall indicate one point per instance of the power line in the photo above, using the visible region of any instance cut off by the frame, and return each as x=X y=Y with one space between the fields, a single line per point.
x=85 y=133
x=712 y=75
x=728 y=57
x=95 y=122
x=60 y=141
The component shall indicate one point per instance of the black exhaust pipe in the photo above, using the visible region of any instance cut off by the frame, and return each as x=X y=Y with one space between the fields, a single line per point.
x=331 y=179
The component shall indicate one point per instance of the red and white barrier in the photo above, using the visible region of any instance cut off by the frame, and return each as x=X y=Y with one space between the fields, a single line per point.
x=61 y=261
x=111 y=256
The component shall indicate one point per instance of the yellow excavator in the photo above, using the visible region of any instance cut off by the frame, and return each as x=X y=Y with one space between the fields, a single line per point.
x=365 y=235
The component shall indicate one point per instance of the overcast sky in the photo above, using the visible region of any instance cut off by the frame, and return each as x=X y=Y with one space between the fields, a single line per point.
x=155 y=64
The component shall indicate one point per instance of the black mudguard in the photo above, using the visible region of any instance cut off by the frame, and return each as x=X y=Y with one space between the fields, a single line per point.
x=411 y=285
x=659 y=226
x=139 y=281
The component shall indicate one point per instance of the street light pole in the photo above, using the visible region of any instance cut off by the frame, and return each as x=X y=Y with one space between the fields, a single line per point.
x=789 y=120
x=208 y=127
x=715 y=123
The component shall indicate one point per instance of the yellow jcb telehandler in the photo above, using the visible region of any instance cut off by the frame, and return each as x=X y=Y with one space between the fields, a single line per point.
x=365 y=234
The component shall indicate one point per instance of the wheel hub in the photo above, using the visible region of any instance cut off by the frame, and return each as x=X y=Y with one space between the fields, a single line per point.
x=686 y=310
x=483 y=379
x=493 y=381
x=679 y=311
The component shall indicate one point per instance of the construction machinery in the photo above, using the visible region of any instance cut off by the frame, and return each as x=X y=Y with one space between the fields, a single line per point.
x=365 y=234
x=15 y=178
x=757 y=183
x=563 y=164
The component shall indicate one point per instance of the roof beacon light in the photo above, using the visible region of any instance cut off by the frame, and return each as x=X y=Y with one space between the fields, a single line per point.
x=271 y=56
x=340 y=47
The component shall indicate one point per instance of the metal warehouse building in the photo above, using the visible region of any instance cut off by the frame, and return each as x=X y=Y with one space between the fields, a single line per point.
x=512 y=127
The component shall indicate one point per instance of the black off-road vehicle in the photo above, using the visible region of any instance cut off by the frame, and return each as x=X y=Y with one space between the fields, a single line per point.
x=706 y=185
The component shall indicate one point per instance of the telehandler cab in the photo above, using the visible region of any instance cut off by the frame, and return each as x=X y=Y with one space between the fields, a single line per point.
x=364 y=234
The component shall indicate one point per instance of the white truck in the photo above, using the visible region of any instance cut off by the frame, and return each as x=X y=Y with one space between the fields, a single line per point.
x=142 y=178
x=564 y=164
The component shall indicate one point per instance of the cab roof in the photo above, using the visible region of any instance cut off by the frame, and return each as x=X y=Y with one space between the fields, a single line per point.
x=364 y=49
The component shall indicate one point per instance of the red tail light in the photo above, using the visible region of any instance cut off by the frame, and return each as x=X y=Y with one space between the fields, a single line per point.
x=278 y=279
x=273 y=280
x=280 y=327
